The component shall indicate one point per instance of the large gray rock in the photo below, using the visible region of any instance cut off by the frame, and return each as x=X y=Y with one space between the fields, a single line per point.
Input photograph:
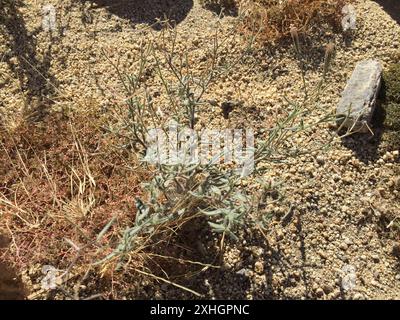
x=357 y=105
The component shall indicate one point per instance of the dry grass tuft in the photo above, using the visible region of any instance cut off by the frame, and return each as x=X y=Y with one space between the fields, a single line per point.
x=61 y=182
x=273 y=20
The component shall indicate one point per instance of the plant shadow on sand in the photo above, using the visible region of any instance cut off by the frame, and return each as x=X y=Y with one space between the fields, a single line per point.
x=11 y=288
x=148 y=11
x=22 y=57
x=220 y=282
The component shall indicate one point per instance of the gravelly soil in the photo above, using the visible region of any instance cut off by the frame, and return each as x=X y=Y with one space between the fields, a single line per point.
x=341 y=199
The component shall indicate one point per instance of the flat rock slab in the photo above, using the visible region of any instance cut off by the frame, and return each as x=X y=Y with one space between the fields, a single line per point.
x=357 y=105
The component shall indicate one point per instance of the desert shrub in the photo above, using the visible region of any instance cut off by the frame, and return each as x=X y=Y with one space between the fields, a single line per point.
x=390 y=97
x=392 y=83
x=70 y=192
x=391 y=141
x=179 y=193
x=392 y=116
x=273 y=19
x=391 y=106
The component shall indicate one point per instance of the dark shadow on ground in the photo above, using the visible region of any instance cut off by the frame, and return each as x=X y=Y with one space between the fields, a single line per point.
x=365 y=145
x=34 y=76
x=147 y=11
x=221 y=11
x=192 y=243
x=392 y=7
x=11 y=287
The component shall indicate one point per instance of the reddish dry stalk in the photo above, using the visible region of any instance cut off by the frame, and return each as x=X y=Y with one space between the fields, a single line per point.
x=61 y=181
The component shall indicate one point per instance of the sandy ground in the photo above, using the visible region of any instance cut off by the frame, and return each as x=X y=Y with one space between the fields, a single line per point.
x=339 y=198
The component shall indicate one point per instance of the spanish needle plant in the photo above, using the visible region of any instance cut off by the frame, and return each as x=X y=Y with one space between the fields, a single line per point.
x=178 y=193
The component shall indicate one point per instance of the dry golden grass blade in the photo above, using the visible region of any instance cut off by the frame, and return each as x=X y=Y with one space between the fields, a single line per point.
x=169 y=282
x=205 y=265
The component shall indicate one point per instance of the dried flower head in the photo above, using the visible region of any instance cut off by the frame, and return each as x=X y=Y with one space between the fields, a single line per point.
x=295 y=37
x=329 y=56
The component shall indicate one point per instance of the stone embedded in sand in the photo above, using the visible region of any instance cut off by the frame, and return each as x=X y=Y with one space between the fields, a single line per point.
x=357 y=105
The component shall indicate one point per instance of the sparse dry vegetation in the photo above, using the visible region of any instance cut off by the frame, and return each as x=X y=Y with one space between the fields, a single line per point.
x=71 y=192
x=391 y=106
x=272 y=20
x=77 y=195
x=62 y=182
